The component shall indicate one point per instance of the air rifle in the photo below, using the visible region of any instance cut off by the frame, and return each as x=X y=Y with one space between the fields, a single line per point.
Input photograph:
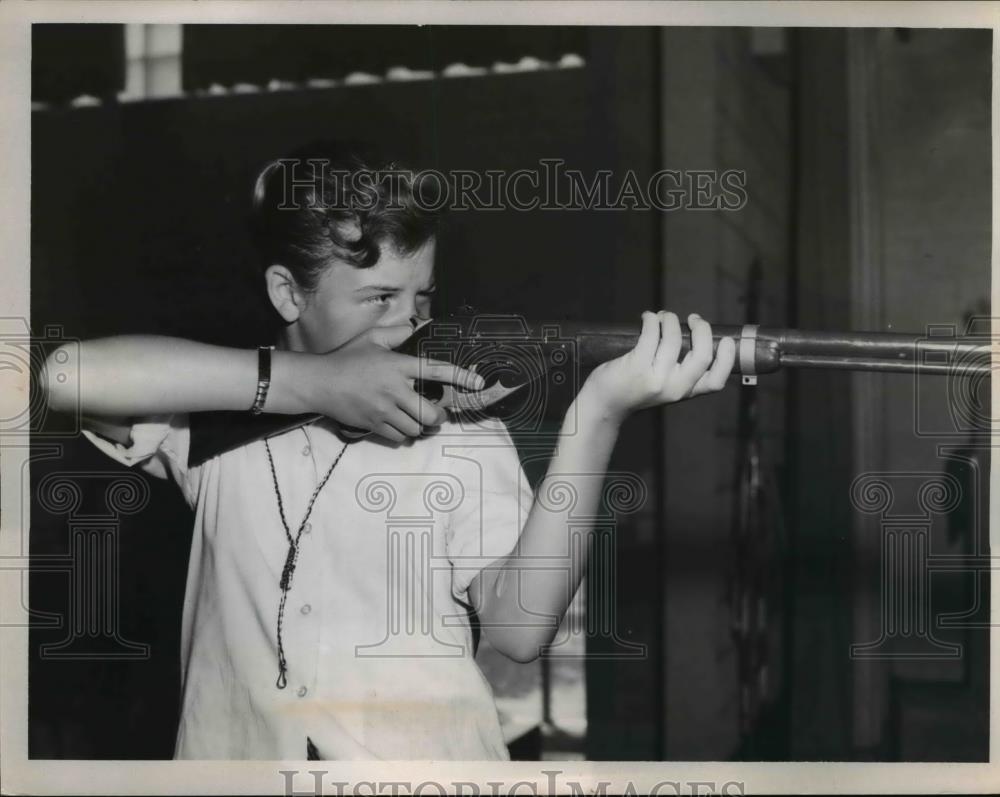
x=531 y=362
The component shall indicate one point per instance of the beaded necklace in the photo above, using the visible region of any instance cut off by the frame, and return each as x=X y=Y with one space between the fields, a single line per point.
x=293 y=554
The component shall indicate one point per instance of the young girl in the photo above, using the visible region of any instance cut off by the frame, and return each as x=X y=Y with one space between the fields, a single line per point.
x=330 y=577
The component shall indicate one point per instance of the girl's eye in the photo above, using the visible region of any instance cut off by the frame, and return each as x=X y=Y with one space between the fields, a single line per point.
x=380 y=299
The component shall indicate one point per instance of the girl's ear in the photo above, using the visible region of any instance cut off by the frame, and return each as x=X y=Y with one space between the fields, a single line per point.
x=286 y=296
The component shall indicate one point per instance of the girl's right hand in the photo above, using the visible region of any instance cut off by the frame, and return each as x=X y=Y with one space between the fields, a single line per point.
x=367 y=385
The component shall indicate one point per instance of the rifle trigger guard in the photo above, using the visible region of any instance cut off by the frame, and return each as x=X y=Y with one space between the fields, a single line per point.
x=748 y=354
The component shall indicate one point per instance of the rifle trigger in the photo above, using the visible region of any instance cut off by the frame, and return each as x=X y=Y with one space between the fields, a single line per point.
x=460 y=401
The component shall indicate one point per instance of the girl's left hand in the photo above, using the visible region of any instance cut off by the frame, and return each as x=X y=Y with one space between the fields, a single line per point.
x=651 y=375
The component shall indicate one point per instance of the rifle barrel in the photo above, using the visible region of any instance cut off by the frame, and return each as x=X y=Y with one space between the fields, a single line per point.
x=777 y=348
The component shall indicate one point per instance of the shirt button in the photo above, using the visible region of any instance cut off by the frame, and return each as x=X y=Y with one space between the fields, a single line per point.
x=306 y=608
x=305 y=451
x=307 y=528
x=302 y=691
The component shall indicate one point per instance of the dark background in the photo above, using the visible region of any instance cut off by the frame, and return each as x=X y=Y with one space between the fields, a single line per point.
x=138 y=225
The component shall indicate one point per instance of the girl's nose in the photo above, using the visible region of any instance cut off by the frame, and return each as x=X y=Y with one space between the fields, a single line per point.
x=403 y=314
x=408 y=310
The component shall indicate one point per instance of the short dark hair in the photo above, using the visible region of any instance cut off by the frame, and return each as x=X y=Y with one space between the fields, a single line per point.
x=310 y=208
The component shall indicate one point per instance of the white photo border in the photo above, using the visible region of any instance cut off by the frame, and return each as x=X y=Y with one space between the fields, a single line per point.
x=18 y=774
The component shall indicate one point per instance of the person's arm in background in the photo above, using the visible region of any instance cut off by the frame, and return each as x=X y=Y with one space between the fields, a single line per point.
x=363 y=383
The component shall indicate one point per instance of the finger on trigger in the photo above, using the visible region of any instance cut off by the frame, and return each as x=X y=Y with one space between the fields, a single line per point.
x=440 y=371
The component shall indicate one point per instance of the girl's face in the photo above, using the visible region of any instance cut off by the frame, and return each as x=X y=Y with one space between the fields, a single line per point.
x=350 y=300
